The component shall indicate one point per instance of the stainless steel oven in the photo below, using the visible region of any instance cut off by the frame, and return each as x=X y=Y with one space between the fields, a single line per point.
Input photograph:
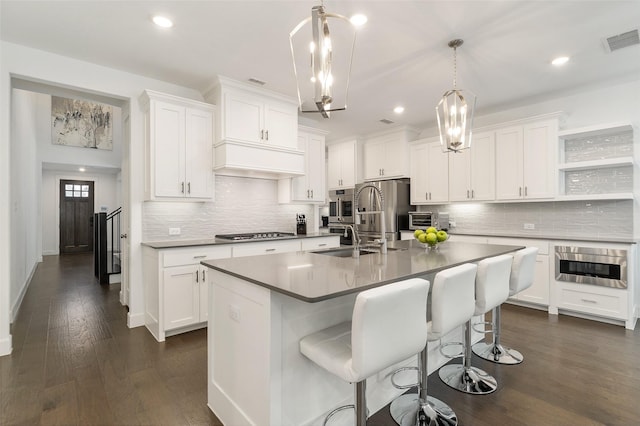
x=341 y=206
x=595 y=266
x=421 y=220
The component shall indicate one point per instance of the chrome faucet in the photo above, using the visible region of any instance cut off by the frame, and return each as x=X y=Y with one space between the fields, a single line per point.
x=383 y=230
x=356 y=239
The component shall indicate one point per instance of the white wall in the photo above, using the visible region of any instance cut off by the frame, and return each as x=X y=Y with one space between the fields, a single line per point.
x=36 y=65
x=105 y=196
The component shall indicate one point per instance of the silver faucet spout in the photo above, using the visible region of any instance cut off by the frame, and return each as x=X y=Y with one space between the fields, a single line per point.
x=356 y=239
x=383 y=229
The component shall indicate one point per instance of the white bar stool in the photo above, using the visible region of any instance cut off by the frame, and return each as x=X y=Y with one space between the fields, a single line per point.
x=452 y=304
x=491 y=290
x=521 y=278
x=389 y=324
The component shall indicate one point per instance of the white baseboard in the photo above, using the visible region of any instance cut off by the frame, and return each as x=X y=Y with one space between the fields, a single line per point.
x=5 y=346
x=50 y=252
x=135 y=320
x=16 y=306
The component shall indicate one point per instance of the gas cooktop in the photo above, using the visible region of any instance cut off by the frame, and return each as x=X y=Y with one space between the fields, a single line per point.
x=255 y=236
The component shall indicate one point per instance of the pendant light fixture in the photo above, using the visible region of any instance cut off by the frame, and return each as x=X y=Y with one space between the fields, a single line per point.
x=322 y=60
x=455 y=112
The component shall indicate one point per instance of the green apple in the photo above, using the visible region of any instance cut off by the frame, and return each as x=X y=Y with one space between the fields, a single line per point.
x=418 y=232
x=431 y=230
x=432 y=238
x=442 y=236
x=423 y=237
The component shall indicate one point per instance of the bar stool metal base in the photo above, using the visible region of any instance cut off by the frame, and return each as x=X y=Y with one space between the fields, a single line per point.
x=405 y=408
x=497 y=353
x=469 y=380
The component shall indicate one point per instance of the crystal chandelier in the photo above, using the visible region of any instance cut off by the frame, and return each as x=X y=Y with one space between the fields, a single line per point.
x=322 y=64
x=455 y=113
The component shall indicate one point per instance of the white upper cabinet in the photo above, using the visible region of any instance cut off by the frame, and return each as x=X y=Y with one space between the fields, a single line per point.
x=387 y=156
x=472 y=171
x=342 y=165
x=429 y=173
x=179 y=148
x=256 y=116
x=309 y=188
x=525 y=161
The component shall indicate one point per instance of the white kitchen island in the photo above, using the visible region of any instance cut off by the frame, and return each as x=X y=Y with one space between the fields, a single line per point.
x=261 y=306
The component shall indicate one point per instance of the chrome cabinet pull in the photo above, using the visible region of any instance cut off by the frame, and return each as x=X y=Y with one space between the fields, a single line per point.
x=189 y=188
x=321 y=245
x=267 y=134
x=203 y=276
x=182 y=190
x=312 y=193
x=200 y=256
x=271 y=249
x=589 y=300
x=262 y=134
x=473 y=195
x=520 y=191
x=197 y=276
x=525 y=191
x=467 y=193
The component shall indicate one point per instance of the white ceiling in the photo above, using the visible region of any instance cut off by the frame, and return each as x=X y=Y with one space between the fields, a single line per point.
x=401 y=54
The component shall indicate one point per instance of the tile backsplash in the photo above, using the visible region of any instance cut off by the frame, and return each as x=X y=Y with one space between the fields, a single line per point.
x=241 y=205
x=601 y=219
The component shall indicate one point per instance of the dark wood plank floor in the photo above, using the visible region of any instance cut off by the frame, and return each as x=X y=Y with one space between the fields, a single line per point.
x=75 y=362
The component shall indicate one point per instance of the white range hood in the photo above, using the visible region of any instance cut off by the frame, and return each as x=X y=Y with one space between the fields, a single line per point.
x=233 y=158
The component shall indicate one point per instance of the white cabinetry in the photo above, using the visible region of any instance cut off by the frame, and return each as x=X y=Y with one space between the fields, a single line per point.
x=256 y=132
x=320 y=243
x=309 y=188
x=596 y=163
x=387 y=156
x=176 y=288
x=342 y=167
x=472 y=171
x=525 y=161
x=178 y=147
x=429 y=173
x=265 y=247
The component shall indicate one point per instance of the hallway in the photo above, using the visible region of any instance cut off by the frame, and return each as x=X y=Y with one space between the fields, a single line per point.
x=75 y=362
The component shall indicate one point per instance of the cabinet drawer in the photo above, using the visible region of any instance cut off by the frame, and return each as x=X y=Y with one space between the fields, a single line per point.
x=266 y=247
x=601 y=301
x=320 y=243
x=194 y=255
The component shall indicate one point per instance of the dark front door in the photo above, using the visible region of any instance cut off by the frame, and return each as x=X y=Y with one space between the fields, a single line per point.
x=76 y=216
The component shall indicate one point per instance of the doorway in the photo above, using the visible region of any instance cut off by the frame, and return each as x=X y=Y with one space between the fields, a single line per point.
x=76 y=216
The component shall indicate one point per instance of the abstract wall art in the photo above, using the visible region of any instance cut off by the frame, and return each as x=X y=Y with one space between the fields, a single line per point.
x=81 y=123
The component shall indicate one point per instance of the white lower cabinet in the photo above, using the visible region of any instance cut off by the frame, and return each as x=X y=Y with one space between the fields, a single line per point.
x=320 y=243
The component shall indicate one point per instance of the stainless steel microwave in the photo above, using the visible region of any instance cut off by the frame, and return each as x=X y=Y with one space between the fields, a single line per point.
x=421 y=220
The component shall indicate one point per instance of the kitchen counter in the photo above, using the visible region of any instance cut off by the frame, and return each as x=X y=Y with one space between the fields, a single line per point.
x=213 y=241
x=259 y=310
x=552 y=237
x=313 y=277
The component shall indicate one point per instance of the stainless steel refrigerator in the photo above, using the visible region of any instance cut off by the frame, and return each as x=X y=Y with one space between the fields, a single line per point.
x=396 y=207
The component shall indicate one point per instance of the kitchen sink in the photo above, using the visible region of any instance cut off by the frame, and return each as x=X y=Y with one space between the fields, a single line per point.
x=348 y=252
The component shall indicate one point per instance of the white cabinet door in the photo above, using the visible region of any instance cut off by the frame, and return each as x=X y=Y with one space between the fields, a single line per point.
x=280 y=124
x=168 y=147
x=199 y=153
x=418 y=174
x=385 y=159
x=437 y=166
x=373 y=160
x=509 y=156
x=460 y=175
x=538 y=159
x=482 y=179
x=310 y=188
x=181 y=296
x=204 y=294
x=243 y=118
x=342 y=165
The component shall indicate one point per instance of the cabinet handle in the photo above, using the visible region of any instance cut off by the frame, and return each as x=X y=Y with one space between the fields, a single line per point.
x=589 y=300
x=123 y=235
x=261 y=134
x=426 y=195
x=197 y=276
x=182 y=190
x=382 y=172
x=429 y=195
x=321 y=245
x=467 y=193
x=189 y=188
x=267 y=134
x=203 y=276
x=201 y=256
x=520 y=191
x=271 y=249
x=312 y=193
x=525 y=191
x=473 y=194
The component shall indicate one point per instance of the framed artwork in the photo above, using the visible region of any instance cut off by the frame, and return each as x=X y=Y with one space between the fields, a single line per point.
x=81 y=123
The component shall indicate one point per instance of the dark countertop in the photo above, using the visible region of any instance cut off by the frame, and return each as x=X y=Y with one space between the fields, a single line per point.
x=313 y=277
x=214 y=241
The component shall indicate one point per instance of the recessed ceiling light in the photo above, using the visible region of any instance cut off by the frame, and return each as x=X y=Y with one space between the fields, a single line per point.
x=358 y=20
x=398 y=109
x=560 y=60
x=162 y=21
x=82 y=169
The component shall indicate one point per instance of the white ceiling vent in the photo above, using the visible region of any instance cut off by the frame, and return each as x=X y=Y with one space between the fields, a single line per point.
x=620 y=41
x=386 y=121
x=256 y=81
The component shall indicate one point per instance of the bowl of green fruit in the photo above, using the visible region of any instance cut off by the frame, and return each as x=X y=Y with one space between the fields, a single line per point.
x=431 y=237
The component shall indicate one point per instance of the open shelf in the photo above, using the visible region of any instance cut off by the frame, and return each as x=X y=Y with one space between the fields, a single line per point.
x=594 y=164
x=595 y=197
x=594 y=131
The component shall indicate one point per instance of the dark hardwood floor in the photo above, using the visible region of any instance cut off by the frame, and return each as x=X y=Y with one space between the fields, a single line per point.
x=75 y=362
